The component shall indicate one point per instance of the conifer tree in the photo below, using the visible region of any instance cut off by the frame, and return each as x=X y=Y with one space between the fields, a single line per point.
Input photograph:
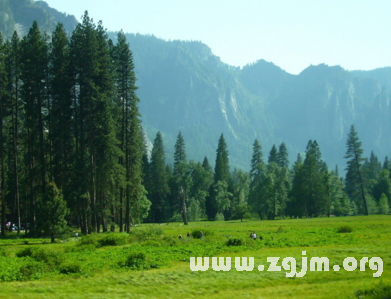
x=296 y=205
x=15 y=126
x=206 y=165
x=241 y=181
x=273 y=155
x=216 y=203
x=382 y=185
x=51 y=211
x=61 y=112
x=283 y=156
x=221 y=172
x=130 y=131
x=257 y=172
x=3 y=115
x=386 y=163
x=181 y=176
x=159 y=182
x=354 y=177
x=34 y=54
x=315 y=192
x=202 y=179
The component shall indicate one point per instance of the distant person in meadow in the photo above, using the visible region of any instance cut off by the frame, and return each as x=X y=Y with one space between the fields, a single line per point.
x=254 y=236
x=251 y=235
x=180 y=237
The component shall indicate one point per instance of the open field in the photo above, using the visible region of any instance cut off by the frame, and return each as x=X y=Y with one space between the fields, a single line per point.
x=90 y=268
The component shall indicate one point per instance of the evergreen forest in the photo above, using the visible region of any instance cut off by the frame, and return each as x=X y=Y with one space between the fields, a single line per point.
x=73 y=151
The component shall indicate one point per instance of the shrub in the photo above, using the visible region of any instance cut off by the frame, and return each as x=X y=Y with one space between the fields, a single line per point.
x=234 y=242
x=344 y=229
x=197 y=233
x=70 y=269
x=88 y=240
x=3 y=252
x=49 y=258
x=137 y=261
x=149 y=232
x=32 y=270
x=24 y=252
x=113 y=240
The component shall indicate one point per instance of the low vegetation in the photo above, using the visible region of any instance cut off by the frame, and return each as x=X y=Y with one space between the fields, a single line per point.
x=155 y=255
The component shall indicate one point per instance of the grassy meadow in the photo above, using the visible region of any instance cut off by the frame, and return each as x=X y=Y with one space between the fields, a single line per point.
x=152 y=262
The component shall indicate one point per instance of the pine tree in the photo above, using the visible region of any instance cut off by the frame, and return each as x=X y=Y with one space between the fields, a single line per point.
x=202 y=179
x=354 y=177
x=315 y=191
x=131 y=136
x=273 y=155
x=181 y=176
x=159 y=182
x=222 y=179
x=206 y=165
x=386 y=163
x=221 y=172
x=34 y=75
x=283 y=156
x=51 y=211
x=240 y=194
x=15 y=126
x=296 y=205
x=382 y=185
x=61 y=112
x=3 y=115
x=179 y=153
x=257 y=172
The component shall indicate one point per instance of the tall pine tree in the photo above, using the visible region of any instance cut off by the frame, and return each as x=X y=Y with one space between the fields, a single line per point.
x=354 y=176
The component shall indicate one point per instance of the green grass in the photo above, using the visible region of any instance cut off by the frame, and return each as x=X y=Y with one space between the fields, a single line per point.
x=152 y=262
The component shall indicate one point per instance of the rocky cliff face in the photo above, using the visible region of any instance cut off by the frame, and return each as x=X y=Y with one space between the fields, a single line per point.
x=18 y=15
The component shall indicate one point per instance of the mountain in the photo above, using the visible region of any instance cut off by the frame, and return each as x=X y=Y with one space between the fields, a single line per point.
x=184 y=87
x=18 y=15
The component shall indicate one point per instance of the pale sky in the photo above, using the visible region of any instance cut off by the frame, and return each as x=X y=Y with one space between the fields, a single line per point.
x=293 y=34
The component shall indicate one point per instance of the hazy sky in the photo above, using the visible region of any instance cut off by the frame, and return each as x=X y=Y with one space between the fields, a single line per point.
x=292 y=34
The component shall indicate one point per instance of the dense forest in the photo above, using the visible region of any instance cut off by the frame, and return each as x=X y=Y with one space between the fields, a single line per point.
x=73 y=151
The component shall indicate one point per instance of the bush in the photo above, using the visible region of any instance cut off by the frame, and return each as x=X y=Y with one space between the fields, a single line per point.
x=3 y=252
x=197 y=233
x=149 y=232
x=24 y=252
x=234 y=242
x=32 y=270
x=113 y=240
x=88 y=240
x=344 y=229
x=70 y=269
x=137 y=261
x=49 y=258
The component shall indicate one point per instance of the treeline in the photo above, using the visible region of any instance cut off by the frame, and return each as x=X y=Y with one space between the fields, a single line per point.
x=193 y=191
x=72 y=151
